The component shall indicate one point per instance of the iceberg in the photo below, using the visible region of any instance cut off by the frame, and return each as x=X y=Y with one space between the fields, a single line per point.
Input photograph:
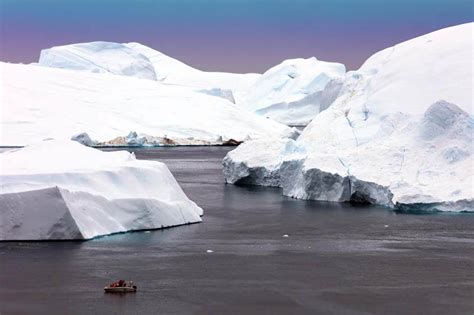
x=293 y=92
x=258 y=162
x=399 y=134
x=102 y=109
x=62 y=190
x=296 y=90
x=99 y=57
x=137 y=60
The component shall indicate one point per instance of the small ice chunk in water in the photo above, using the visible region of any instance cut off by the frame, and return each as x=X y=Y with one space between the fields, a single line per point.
x=386 y=226
x=147 y=231
x=285 y=235
x=209 y=251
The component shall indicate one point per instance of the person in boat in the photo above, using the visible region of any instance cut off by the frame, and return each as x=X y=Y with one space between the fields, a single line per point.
x=120 y=284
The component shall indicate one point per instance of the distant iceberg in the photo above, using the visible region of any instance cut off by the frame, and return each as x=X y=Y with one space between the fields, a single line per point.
x=99 y=57
x=293 y=92
x=137 y=60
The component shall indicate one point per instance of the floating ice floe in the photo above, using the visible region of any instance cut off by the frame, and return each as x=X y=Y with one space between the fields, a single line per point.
x=62 y=190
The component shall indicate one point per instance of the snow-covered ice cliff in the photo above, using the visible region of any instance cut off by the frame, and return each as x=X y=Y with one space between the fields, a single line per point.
x=60 y=190
x=399 y=134
x=296 y=90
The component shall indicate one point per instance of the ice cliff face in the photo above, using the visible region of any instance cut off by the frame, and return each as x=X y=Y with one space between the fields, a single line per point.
x=258 y=162
x=399 y=134
x=60 y=190
x=294 y=92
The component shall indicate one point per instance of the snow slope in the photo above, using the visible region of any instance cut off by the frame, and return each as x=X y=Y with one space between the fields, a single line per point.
x=64 y=190
x=294 y=92
x=399 y=134
x=99 y=57
x=40 y=102
x=172 y=71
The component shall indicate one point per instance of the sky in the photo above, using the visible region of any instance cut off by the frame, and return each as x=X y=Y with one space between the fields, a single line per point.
x=227 y=35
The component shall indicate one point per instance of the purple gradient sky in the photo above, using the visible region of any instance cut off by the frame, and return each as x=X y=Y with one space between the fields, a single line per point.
x=227 y=35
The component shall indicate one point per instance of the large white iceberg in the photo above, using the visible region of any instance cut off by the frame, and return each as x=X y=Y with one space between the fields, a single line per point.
x=292 y=92
x=134 y=59
x=40 y=102
x=296 y=90
x=400 y=133
x=99 y=57
x=57 y=190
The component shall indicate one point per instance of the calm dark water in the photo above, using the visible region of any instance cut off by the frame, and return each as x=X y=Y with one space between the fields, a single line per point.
x=337 y=259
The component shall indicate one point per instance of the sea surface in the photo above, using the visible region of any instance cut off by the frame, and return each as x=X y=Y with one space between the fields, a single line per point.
x=270 y=255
